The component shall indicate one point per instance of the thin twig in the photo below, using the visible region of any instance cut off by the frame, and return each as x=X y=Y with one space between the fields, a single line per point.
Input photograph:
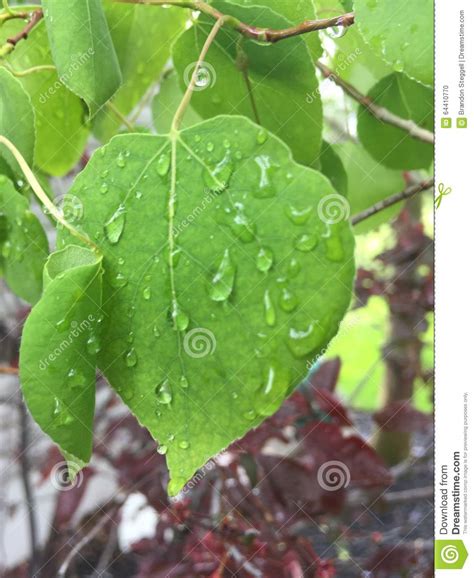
x=11 y=42
x=124 y=120
x=255 y=33
x=41 y=195
x=25 y=478
x=106 y=517
x=28 y=71
x=393 y=200
x=377 y=111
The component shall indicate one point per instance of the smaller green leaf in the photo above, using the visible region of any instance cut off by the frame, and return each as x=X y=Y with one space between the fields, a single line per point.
x=390 y=145
x=142 y=36
x=166 y=102
x=59 y=349
x=401 y=33
x=82 y=49
x=17 y=120
x=23 y=243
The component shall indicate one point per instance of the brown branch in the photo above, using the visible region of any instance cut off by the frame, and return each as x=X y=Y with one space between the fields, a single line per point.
x=393 y=200
x=255 y=33
x=7 y=370
x=379 y=112
x=11 y=42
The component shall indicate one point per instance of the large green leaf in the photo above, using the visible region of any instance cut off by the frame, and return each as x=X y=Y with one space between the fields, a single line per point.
x=23 y=244
x=82 y=49
x=61 y=132
x=387 y=144
x=142 y=36
x=368 y=183
x=59 y=348
x=281 y=78
x=296 y=12
x=221 y=279
x=400 y=32
x=17 y=120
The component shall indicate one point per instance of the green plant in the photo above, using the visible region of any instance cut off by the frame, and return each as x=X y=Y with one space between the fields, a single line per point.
x=201 y=269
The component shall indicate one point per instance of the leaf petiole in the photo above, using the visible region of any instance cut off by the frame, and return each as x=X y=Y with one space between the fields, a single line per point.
x=41 y=195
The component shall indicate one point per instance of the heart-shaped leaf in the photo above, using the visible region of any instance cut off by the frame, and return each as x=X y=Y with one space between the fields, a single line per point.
x=224 y=276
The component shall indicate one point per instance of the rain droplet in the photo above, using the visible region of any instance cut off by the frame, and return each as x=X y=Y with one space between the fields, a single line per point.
x=250 y=415
x=104 y=188
x=306 y=341
x=131 y=358
x=180 y=318
x=115 y=225
x=184 y=445
x=223 y=280
x=147 y=293
x=121 y=162
x=293 y=268
x=270 y=313
x=156 y=331
x=298 y=216
x=306 y=242
x=210 y=147
x=264 y=259
x=162 y=450
x=218 y=179
x=265 y=188
x=163 y=164
x=183 y=382
x=336 y=31
x=119 y=280
x=163 y=393
x=93 y=345
x=288 y=300
x=241 y=226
